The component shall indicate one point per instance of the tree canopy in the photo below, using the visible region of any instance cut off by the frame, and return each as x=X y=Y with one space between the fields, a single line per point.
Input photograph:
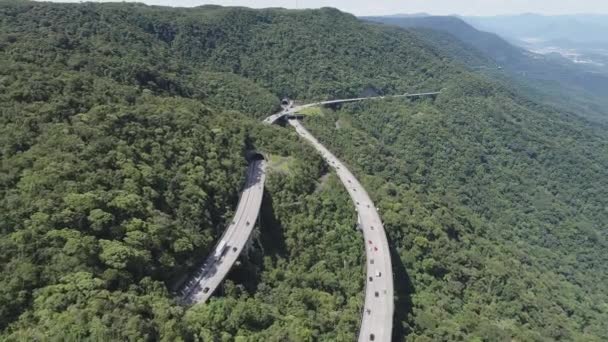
x=123 y=132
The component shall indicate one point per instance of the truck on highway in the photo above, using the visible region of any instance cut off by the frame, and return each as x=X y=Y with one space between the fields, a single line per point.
x=219 y=250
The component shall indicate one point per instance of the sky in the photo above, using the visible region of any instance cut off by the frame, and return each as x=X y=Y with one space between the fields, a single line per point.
x=383 y=7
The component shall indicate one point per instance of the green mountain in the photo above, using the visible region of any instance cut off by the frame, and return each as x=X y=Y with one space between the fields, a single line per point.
x=490 y=44
x=550 y=79
x=581 y=38
x=123 y=134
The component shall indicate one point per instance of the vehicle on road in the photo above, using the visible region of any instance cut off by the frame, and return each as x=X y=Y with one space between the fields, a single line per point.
x=370 y=324
x=219 y=251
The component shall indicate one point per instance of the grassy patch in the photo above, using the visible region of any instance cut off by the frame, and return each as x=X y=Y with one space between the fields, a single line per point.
x=312 y=111
x=280 y=164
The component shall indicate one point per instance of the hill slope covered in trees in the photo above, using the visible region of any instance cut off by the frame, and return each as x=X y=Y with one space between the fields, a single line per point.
x=123 y=131
x=553 y=80
x=546 y=78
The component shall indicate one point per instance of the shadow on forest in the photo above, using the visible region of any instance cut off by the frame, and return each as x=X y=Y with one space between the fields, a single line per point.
x=404 y=289
x=272 y=238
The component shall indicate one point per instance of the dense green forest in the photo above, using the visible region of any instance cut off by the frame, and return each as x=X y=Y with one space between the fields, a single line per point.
x=123 y=131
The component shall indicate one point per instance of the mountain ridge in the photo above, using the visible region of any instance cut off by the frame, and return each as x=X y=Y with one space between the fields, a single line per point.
x=122 y=140
x=552 y=78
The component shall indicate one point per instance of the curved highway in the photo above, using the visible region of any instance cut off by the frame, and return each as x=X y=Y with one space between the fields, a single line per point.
x=291 y=109
x=377 y=316
x=215 y=268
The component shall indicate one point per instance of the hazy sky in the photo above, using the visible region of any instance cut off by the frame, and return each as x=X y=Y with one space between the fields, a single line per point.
x=373 y=7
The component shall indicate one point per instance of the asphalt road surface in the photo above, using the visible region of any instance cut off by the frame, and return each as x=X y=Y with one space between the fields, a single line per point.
x=377 y=316
x=291 y=109
x=217 y=265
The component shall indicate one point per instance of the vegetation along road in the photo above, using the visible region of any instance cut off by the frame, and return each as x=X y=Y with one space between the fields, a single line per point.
x=377 y=318
x=217 y=265
x=291 y=109
x=376 y=321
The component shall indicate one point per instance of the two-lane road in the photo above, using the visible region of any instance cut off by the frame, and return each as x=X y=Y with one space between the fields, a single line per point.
x=217 y=265
x=377 y=316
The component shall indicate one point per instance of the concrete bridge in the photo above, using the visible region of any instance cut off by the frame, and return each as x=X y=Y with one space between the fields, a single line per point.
x=289 y=109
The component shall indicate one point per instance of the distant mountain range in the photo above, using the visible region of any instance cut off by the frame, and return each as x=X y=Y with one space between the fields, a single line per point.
x=554 y=76
x=580 y=28
x=489 y=44
x=409 y=15
x=582 y=38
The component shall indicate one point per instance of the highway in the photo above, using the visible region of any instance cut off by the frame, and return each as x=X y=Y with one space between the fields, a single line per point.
x=377 y=312
x=377 y=315
x=297 y=108
x=217 y=265
x=291 y=109
x=285 y=110
x=275 y=117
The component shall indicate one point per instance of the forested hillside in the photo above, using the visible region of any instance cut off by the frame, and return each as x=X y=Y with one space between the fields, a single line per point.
x=546 y=78
x=494 y=210
x=123 y=130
